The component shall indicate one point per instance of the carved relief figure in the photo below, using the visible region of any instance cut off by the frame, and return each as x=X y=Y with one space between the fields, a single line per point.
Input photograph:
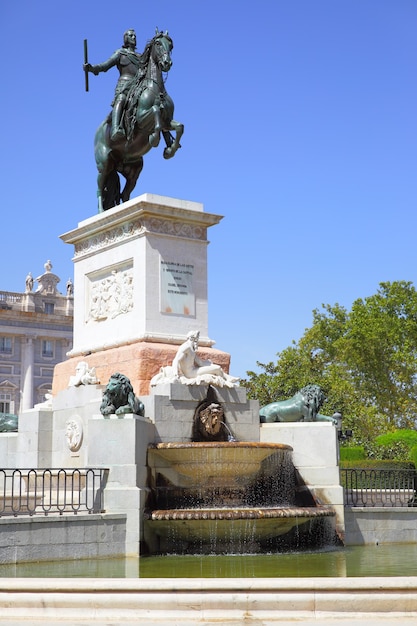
x=111 y=296
x=84 y=375
x=74 y=435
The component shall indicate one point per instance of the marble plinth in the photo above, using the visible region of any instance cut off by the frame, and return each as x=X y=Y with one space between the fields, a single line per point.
x=139 y=361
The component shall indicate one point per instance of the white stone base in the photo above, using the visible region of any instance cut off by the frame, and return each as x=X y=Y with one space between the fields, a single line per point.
x=375 y=525
x=315 y=455
x=179 y=601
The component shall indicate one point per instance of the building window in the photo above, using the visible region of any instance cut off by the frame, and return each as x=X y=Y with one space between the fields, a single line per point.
x=6 y=403
x=47 y=348
x=6 y=345
x=42 y=394
x=49 y=307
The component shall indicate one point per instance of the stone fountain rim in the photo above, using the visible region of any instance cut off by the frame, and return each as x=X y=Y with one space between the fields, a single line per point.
x=243 y=513
x=218 y=444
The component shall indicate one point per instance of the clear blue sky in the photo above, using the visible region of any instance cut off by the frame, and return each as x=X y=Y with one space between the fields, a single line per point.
x=300 y=128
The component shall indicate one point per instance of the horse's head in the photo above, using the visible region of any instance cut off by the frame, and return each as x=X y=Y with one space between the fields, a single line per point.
x=162 y=46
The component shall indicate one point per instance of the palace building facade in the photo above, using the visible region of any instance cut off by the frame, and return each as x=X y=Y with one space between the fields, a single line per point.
x=36 y=331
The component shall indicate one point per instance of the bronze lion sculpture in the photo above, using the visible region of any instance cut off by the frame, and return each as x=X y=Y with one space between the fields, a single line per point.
x=8 y=423
x=119 y=398
x=304 y=406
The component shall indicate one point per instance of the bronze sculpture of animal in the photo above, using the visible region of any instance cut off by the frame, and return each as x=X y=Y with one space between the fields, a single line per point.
x=304 y=406
x=119 y=398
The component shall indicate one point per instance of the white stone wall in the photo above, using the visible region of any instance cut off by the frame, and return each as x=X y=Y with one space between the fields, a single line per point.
x=172 y=408
x=374 y=525
x=40 y=538
x=315 y=455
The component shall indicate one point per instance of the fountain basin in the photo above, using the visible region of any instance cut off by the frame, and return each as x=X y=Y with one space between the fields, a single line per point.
x=217 y=528
x=220 y=463
x=226 y=497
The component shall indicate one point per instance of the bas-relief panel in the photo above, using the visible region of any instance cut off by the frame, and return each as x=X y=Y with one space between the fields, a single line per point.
x=109 y=293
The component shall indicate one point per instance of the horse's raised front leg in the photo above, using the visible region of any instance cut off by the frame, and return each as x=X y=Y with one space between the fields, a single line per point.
x=172 y=143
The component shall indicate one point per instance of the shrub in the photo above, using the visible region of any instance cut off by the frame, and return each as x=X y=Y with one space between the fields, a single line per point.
x=388 y=464
x=403 y=435
x=395 y=445
x=413 y=455
x=352 y=453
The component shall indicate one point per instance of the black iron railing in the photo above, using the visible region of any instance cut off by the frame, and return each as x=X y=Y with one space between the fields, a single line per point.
x=51 y=491
x=379 y=488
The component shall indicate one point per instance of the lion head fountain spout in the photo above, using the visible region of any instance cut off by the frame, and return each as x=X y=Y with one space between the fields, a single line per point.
x=209 y=422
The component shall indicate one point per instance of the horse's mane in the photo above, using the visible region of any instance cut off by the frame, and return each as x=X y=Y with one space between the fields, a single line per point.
x=144 y=57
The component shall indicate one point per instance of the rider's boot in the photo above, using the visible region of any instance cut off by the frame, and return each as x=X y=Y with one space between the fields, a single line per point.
x=117 y=131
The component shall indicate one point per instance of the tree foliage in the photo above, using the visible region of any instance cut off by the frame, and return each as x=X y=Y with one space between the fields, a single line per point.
x=364 y=359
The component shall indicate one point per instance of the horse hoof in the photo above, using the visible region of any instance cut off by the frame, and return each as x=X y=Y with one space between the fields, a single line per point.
x=154 y=140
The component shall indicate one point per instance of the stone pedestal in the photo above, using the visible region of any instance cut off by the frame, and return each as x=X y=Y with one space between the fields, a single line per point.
x=34 y=442
x=171 y=407
x=121 y=445
x=139 y=361
x=140 y=285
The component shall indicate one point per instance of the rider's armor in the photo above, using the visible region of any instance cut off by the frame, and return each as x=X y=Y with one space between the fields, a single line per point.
x=128 y=63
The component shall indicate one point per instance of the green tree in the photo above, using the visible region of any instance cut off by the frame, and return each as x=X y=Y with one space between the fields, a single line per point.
x=365 y=360
x=380 y=348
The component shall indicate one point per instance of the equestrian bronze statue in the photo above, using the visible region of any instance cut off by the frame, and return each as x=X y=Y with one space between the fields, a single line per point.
x=142 y=110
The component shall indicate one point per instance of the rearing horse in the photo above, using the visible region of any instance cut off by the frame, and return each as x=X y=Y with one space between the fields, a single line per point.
x=149 y=112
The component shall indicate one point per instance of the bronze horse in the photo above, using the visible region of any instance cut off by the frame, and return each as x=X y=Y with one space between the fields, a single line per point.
x=149 y=112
